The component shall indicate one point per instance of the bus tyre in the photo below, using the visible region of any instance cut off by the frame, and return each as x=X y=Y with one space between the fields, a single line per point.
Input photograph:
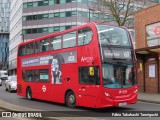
x=29 y=94
x=70 y=99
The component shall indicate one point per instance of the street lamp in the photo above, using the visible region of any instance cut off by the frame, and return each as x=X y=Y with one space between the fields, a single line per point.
x=90 y=13
x=22 y=37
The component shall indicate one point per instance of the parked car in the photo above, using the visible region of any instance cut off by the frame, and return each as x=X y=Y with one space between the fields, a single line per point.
x=3 y=74
x=11 y=83
x=0 y=82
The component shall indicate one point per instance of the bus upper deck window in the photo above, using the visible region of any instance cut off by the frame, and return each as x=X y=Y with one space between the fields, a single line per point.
x=84 y=36
x=44 y=45
x=21 y=51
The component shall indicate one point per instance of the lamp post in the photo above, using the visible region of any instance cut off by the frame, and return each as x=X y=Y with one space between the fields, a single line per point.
x=90 y=13
x=22 y=37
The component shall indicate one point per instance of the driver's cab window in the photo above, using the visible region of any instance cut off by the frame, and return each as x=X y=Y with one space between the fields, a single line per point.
x=89 y=75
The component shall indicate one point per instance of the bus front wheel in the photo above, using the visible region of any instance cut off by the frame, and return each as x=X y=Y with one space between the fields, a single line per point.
x=70 y=99
x=29 y=93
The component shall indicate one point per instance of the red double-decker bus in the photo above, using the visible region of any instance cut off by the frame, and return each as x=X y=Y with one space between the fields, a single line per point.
x=92 y=65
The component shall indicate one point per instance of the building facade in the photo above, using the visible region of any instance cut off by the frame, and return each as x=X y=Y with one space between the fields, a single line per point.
x=4 y=33
x=35 y=18
x=147 y=28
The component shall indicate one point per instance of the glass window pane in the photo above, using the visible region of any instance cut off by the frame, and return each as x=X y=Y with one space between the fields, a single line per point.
x=51 y=29
x=86 y=78
x=51 y=2
x=62 y=14
x=51 y=15
x=29 y=49
x=24 y=18
x=44 y=30
x=56 y=14
x=24 y=5
x=36 y=48
x=45 y=16
x=56 y=28
x=44 y=75
x=35 y=4
x=44 y=45
x=84 y=36
x=30 y=4
x=62 y=28
x=21 y=51
x=55 y=43
x=45 y=2
x=36 y=75
x=29 y=75
x=62 y=1
x=69 y=40
x=34 y=17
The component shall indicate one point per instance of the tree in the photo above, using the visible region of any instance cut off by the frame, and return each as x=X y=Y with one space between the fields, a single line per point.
x=121 y=10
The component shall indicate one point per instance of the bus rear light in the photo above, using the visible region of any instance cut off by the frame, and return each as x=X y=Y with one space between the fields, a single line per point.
x=107 y=94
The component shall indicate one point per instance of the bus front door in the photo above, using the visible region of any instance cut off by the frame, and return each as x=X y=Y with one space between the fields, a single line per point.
x=89 y=86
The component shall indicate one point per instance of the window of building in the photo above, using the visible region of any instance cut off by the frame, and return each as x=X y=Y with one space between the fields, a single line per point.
x=45 y=2
x=29 y=17
x=34 y=30
x=84 y=36
x=68 y=14
x=44 y=45
x=62 y=14
x=45 y=16
x=45 y=30
x=44 y=75
x=56 y=1
x=55 y=43
x=51 y=15
x=29 y=48
x=40 y=17
x=35 y=4
x=30 y=4
x=69 y=40
x=40 y=30
x=85 y=77
x=34 y=17
x=56 y=28
x=21 y=51
x=36 y=47
x=51 y=29
x=24 y=5
x=62 y=1
x=29 y=31
x=51 y=2
x=68 y=27
x=56 y=14
x=40 y=3
x=24 y=19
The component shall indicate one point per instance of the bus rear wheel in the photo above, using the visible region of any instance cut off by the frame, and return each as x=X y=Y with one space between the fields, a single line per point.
x=70 y=99
x=29 y=93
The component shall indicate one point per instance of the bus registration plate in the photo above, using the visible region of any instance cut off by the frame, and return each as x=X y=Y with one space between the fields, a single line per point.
x=123 y=103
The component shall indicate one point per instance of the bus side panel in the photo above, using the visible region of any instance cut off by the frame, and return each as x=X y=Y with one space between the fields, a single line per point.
x=69 y=82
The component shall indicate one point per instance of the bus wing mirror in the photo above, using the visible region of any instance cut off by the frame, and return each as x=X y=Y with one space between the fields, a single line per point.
x=91 y=71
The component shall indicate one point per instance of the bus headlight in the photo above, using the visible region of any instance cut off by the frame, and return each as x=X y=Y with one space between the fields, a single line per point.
x=135 y=91
x=107 y=94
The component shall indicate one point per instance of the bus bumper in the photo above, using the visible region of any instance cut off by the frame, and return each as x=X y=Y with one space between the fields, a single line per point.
x=108 y=101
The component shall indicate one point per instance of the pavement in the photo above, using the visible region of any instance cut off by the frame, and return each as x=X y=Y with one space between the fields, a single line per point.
x=148 y=97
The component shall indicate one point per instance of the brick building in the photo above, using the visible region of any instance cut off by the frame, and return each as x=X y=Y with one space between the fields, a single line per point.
x=147 y=30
